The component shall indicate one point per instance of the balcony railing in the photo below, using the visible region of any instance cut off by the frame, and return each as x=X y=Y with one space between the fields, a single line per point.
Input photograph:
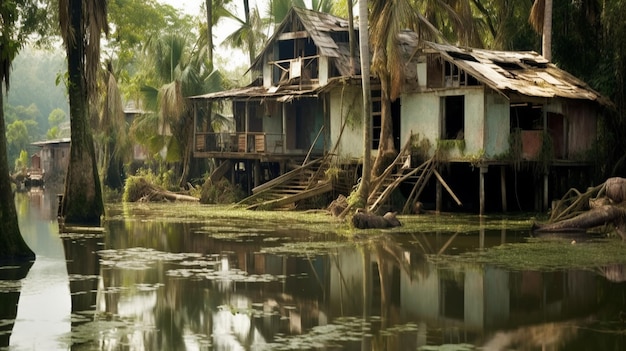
x=260 y=142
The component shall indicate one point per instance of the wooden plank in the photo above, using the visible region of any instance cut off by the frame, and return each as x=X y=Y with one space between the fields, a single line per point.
x=445 y=185
x=321 y=189
x=293 y=35
x=220 y=171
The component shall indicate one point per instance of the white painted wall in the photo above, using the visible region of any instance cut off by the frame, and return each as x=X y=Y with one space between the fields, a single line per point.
x=498 y=129
x=486 y=120
x=346 y=103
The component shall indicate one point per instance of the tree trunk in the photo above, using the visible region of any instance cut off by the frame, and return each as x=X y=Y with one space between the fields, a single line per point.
x=386 y=149
x=250 y=37
x=608 y=214
x=209 y=23
x=546 y=42
x=82 y=200
x=364 y=186
x=352 y=37
x=12 y=245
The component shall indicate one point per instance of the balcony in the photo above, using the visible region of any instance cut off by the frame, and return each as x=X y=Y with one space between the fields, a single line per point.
x=248 y=145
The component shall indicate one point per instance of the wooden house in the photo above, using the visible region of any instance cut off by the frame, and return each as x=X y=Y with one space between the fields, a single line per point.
x=486 y=111
x=53 y=158
x=466 y=110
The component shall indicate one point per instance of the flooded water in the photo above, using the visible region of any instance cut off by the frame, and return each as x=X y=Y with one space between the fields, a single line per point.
x=152 y=280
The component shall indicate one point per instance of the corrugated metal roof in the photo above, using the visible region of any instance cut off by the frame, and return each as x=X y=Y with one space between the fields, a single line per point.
x=523 y=72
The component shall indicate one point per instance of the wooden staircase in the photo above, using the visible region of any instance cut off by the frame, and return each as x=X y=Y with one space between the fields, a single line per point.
x=285 y=191
x=398 y=172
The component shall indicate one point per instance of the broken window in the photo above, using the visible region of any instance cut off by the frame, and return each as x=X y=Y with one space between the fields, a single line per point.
x=376 y=118
x=453 y=117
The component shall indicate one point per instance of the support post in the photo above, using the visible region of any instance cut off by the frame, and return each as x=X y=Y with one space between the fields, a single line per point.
x=545 y=191
x=503 y=187
x=438 y=197
x=257 y=173
x=481 y=189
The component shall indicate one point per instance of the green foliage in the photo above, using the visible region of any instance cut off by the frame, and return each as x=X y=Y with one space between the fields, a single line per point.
x=56 y=117
x=36 y=87
x=355 y=200
x=21 y=163
x=220 y=192
x=450 y=144
x=164 y=178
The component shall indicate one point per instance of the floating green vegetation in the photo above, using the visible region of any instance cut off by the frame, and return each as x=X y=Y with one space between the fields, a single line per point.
x=549 y=254
x=198 y=213
x=307 y=249
x=448 y=347
x=462 y=223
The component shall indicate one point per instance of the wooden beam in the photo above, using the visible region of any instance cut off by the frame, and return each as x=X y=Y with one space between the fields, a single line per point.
x=445 y=185
x=293 y=35
x=503 y=188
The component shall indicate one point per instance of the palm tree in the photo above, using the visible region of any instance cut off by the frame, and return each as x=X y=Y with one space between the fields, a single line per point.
x=180 y=72
x=364 y=186
x=249 y=35
x=111 y=131
x=82 y=22
x=541 y=21
x=388 y=18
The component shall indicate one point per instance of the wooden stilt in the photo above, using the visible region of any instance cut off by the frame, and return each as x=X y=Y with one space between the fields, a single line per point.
x=438 y=197
x=481 y=189
x=545 y=192
x=503 y=187
x=257 y=173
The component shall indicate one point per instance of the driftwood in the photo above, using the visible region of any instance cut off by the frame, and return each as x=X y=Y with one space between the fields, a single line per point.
x=143 y=191
x=607 y=214
x=368 y=220
x=586 y=211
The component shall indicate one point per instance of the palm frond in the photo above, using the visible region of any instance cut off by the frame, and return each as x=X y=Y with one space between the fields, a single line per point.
x=536 y=15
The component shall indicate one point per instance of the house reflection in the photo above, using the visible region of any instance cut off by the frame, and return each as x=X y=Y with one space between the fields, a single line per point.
x=236 y=292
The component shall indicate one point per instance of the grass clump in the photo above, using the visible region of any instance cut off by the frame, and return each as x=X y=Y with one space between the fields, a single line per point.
x=220 y=192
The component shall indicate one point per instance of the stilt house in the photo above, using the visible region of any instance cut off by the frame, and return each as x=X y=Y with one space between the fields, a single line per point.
x=470 y=116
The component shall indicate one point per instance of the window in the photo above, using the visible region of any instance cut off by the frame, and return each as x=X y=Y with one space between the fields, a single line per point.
x=376 y=117
x=453 y=117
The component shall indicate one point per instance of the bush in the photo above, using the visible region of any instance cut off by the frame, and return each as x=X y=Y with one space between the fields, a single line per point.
x=220 y=192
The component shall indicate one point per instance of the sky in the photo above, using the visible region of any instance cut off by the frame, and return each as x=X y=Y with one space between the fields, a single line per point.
x=221 y=31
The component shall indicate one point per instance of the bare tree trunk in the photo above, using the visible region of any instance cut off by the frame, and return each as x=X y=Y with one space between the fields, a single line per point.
x=386 y=150
x=352 y=37
x=364 y=186
x=546 y=43
x=250 y=38
x=608 y=214
x=209 y=23
x=12 y=245
x=82 y=201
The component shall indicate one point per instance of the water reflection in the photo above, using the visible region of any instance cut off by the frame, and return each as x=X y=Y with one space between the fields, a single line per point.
x=44 y=305
x=256 y=286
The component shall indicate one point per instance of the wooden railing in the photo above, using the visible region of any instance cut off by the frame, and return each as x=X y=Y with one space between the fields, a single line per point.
x=270 y=143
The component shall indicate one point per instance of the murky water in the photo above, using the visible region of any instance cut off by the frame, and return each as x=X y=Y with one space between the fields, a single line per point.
x=228 y=284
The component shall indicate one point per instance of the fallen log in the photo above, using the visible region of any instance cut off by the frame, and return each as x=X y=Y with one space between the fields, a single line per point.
x=602 y=215
x=140 y=190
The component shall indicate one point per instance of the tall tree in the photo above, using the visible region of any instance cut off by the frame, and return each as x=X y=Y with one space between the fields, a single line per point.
x=249 y=34
x=387 y=19
x=366 y=112
x=12 y=245
x=82 y=23
x=208 y=5
x=111 y=135
x=179 y=72
x=352 y=36
x=541 y=20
